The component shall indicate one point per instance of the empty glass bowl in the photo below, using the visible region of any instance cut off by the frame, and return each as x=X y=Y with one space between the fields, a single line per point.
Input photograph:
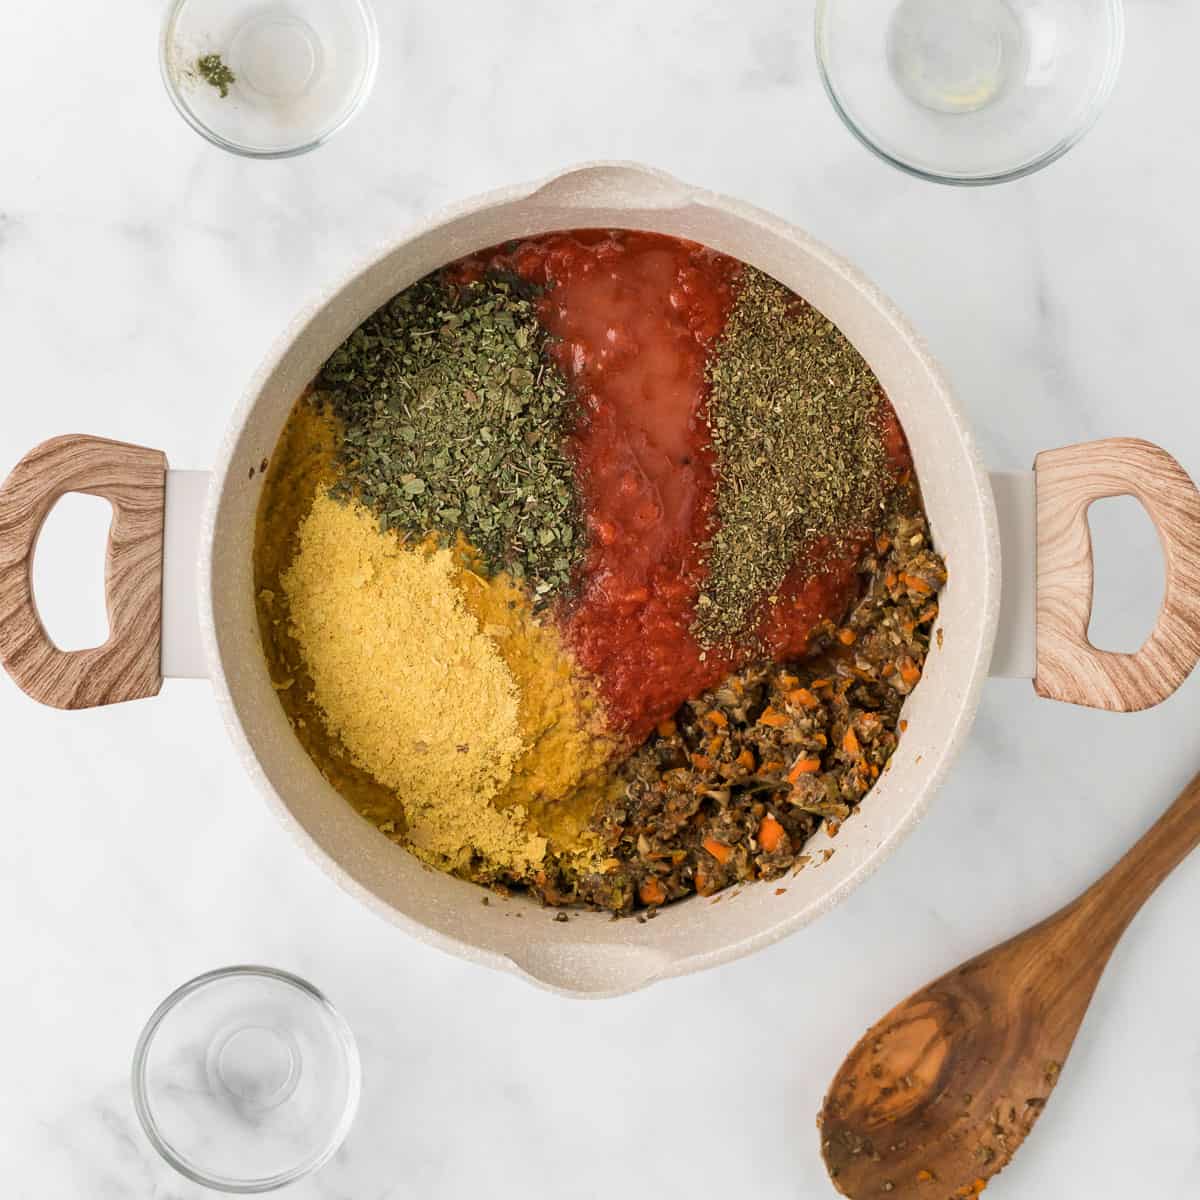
x=269 y=79
x=969 y=91
x=246 y=1079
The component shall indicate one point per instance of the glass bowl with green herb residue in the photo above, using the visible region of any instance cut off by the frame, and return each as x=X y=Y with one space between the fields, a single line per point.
x=268 y=82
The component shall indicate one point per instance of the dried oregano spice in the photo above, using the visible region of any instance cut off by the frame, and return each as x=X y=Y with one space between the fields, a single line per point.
x=214 y=72
x=794 y=413
x=454 y=421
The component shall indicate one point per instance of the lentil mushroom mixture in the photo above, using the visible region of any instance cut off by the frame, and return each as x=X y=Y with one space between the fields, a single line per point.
x=674 y=522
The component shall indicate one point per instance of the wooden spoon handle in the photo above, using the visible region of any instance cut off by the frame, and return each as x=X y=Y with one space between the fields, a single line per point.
x=1114 y=899
x=133 y=480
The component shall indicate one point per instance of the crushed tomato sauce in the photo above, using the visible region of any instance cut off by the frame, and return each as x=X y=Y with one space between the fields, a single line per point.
x=634 y=317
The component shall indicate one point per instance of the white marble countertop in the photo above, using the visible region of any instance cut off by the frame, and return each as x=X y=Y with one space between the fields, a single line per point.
x=142 y=275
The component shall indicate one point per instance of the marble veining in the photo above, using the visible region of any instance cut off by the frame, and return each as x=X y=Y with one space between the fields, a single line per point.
x=142 y=276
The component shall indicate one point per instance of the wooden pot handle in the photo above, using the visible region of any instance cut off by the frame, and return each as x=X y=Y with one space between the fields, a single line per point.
x=133 y=480
x=1069 y=667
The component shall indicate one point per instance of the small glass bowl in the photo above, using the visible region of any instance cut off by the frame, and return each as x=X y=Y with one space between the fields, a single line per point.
x=269 y=78
x=246 y=1079
x=969 y=91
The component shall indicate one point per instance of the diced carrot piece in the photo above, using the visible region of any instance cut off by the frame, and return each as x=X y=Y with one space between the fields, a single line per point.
x=803 y=766
x=850 y=743
x=770 y=766
x=716 y=717
x=910 y=672
x=847 y=637
x=770 y=834
x=666 y=728
x=903 y=726
x=803 y=698
x=721 y=852
x=773 y=719
x=746 y=759
x=701 y=762
x=924 y=1176
x=915 y=583
x=652 y=892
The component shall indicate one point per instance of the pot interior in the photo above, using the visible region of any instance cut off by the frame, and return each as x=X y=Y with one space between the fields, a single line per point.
x=591 y=954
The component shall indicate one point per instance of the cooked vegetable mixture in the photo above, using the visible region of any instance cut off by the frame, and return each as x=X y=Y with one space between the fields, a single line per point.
x=595 y=565
x=732 y=787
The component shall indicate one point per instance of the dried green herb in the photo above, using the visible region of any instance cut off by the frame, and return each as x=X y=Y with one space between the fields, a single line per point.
x=795 y=418
x=213 y=71
x=454 y=420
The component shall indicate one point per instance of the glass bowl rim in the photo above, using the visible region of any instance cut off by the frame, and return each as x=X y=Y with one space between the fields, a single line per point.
x=365 y=87
x=345 y=1036
x=1096 y=105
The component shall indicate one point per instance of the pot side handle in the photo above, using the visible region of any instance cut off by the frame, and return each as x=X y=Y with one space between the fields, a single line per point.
x=133 y=480
x=1069 y=667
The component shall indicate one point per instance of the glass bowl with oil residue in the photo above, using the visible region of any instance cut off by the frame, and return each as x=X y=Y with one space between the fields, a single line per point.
x=969 y=91
x=269 y=80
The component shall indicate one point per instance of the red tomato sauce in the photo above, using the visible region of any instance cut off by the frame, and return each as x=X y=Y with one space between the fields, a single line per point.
x=633 y=317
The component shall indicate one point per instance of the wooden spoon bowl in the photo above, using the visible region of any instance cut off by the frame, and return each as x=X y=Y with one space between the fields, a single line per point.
x=937 y=1096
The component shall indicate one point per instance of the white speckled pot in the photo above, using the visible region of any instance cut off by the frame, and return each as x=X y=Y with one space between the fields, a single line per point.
x=590 y=955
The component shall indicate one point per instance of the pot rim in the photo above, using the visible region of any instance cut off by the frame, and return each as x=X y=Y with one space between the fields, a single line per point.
x=951 y=737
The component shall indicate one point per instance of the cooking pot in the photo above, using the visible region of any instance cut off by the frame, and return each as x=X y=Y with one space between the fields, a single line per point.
x=181 y=601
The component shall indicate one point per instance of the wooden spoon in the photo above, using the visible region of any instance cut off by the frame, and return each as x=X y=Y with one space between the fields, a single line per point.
x=937 y=1097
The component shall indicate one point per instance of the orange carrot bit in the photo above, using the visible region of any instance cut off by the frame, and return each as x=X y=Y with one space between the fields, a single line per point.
x=888 y=669
x=773 y=719
x=910 y=672
x=915 y=583
x=721 y=852
x=874 y=771
x=715 y=744
x=770 y=834
x=803 y=698
x=850 y=743
x=780 y=891
x=746 y=759
x=903 y=726
x=770 y=766
x=925 y=1176
x=882 y=543
x=716 y=717
x=666 y=728
x=787 y=680
x=803 y=766
x=847 y=637
x=652 y=892
x=821 y=683
x=832 y=827
x=890 y=581
x=702 y=762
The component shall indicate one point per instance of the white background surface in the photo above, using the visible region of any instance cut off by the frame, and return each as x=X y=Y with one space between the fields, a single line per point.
x=143 y=274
